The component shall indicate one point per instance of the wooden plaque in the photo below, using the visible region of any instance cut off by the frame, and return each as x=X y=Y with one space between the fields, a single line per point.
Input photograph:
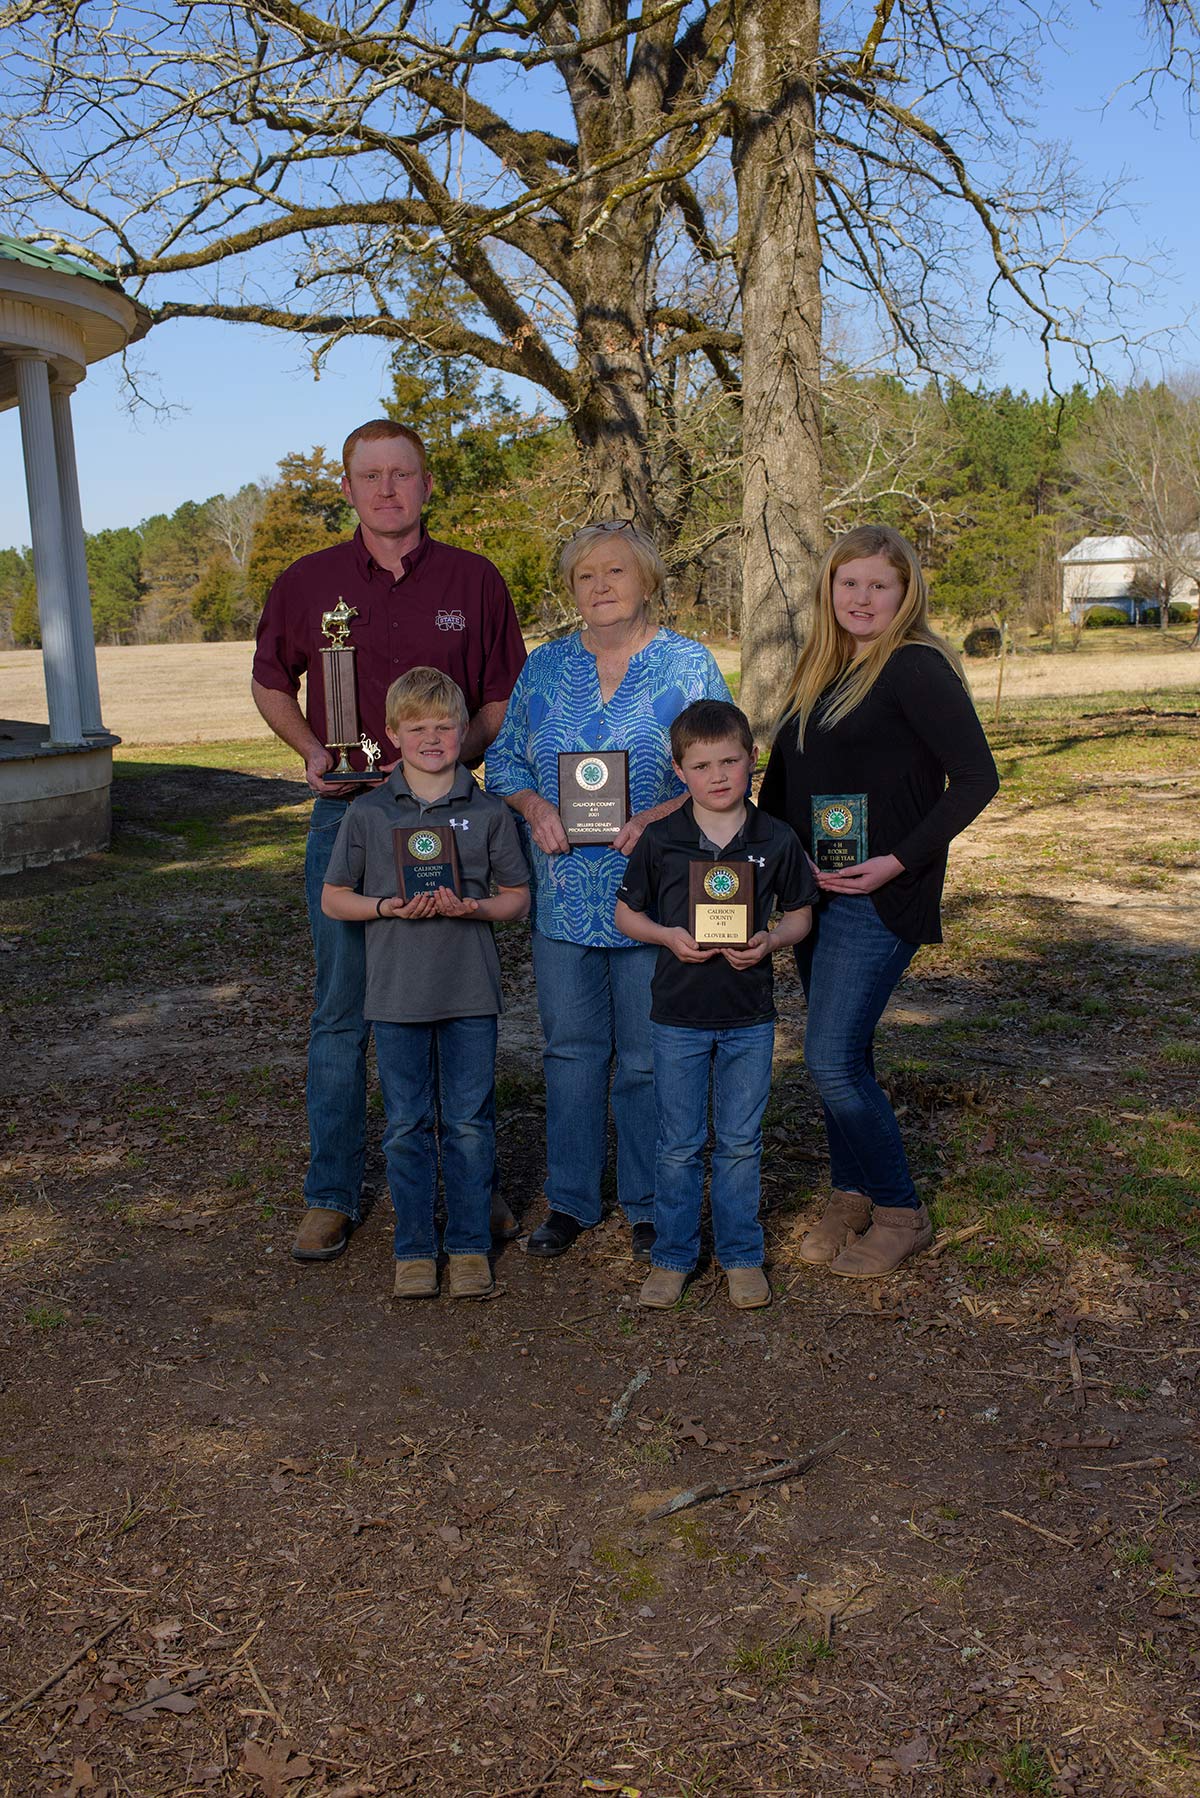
x=721 y=903
x=593 y=794
x=426 y=858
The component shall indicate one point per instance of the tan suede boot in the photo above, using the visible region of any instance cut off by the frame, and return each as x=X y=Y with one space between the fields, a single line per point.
x=415 y=1280
x=896 y=1233
x=662 y=1288
x=748 y=1287
x=470 y=1276
x=846 y=1217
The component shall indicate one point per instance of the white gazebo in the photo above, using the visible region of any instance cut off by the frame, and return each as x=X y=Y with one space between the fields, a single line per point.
x=56 y=318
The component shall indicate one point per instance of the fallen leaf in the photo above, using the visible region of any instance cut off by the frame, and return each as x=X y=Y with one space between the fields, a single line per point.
x=162 y=1695
x=275 y=1767
x=915 y=1753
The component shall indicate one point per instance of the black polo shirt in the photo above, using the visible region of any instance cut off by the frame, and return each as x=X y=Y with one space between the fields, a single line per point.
x=714 y=995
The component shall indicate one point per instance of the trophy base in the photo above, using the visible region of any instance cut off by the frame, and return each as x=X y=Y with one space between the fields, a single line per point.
x=354 y=779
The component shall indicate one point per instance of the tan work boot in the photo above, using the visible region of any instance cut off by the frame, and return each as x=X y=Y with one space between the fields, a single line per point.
x=322 y=1234
x=748 y=1288
x=896 y=1232
x=470 y=1276
x=415 y=1280
x=846 y=1216
x=662 y=1288
x=504 y=1225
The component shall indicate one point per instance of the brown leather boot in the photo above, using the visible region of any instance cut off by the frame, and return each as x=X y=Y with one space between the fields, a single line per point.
x=504 y=1225
x=896 y=1232
x=748 y=1287
x=470 y=1276
x=322 y=1234
x=846 y=1217
x=662 y=1288
x=415 y=1280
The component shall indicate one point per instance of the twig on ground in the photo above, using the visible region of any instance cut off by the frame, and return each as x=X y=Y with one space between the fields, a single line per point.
x=954 y=1236
x=1063 y=1541
x=620 y=1410
x=783 y=1470
x=52 y=1679
x=1078 y=1389
x=266 y=1697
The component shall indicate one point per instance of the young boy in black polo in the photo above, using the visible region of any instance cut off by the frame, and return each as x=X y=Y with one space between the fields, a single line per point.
x=712 y=1009
x=433 y=978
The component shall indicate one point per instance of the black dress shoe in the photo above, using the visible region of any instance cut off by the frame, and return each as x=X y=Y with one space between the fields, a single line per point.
x=554 y=1236
x=642 y=1238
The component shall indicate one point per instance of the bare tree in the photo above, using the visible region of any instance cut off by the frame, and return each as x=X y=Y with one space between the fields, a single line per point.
x=232 y=519
x=292 y=166
x=1137 y=470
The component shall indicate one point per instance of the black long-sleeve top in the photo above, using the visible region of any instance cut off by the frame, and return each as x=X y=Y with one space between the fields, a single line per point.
x=916 y=748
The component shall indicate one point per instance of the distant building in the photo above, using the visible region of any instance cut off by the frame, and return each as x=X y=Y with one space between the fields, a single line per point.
x=1102 y=571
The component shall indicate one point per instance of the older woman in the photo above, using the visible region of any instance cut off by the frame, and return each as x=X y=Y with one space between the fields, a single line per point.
x=616 y=683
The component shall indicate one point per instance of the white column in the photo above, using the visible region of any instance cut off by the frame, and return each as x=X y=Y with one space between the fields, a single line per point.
x=49 y=550
x=83 y=636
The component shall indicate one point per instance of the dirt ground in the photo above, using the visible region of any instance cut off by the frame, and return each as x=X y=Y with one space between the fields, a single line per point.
x=267 y=1536
x=200 y=692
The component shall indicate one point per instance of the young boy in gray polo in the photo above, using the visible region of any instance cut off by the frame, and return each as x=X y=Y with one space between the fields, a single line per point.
x=433 y=978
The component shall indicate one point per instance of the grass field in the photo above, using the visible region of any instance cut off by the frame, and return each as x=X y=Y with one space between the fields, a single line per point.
x=362 y=1551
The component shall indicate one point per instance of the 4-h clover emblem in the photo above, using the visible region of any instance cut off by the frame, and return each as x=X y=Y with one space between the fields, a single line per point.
x=721 y=883
x=424 y=845
x=836 y=820
x=591 y=774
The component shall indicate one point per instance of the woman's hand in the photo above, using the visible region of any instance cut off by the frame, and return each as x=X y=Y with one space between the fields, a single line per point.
x=863 y=877
x=626 y=838
x=545 y=826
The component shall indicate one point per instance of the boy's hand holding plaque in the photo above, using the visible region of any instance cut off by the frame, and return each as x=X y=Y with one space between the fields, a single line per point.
x=593 y=795
x=426 y=859
x=839 y=831
x=721 y=904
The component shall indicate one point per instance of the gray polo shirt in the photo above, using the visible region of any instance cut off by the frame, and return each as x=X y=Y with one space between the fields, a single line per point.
x=423 y=969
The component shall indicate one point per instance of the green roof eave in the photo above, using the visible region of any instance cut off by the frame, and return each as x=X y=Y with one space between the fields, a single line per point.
x=15 y=249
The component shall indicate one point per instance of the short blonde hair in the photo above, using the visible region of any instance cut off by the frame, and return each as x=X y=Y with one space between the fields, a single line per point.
x=425 y=693
x=650 y=564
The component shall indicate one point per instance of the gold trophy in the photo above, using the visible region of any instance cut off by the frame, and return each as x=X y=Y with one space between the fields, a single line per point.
x=341 y=701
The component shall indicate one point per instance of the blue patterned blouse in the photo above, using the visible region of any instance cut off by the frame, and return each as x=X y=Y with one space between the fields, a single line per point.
x=556 y=705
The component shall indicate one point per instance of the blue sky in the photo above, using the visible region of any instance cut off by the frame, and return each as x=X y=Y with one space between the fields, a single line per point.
x=242 y=397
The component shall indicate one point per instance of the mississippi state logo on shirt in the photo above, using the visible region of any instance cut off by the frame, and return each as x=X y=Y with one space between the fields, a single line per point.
x=451 y=621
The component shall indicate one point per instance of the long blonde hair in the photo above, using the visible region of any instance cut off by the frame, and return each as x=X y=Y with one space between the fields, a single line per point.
x=827 y=656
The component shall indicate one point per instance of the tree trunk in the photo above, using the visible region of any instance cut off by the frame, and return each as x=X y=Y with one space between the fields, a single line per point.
x=779 y=266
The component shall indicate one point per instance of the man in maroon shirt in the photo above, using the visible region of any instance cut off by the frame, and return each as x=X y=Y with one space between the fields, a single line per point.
x=418 y=603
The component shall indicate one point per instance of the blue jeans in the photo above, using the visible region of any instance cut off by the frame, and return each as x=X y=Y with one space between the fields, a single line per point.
x=740 y=1064
x=338 y=1035
x=849 y=966
x=594 y=1004
x=439 y=1081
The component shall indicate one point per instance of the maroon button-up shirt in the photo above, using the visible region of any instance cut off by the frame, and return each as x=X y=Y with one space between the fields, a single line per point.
x=451 y=611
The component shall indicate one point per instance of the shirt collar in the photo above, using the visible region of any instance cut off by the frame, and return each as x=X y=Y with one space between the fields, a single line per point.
x=410 y=563
x=465 y=788
x=683 y=828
